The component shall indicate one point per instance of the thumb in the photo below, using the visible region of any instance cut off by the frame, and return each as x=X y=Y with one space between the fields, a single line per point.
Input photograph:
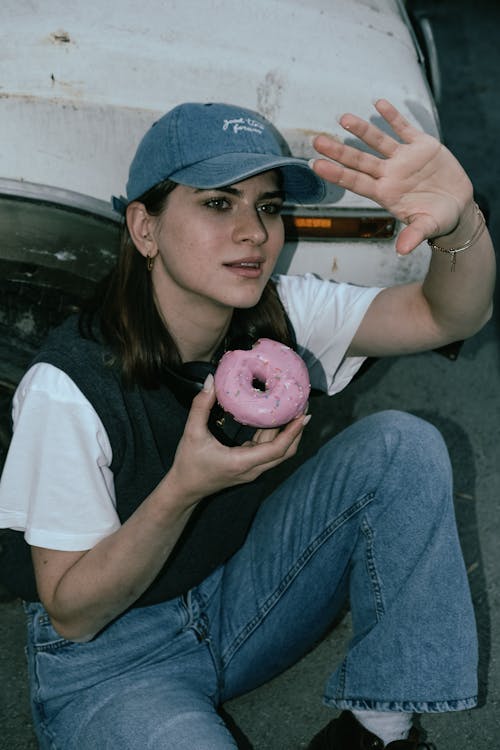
x=203 y=402
x=419 y=228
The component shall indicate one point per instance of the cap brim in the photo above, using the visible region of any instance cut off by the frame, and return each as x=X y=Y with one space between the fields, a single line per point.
x=301 y=184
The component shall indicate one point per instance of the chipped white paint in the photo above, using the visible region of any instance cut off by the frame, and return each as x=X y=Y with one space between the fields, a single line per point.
x=80 y=83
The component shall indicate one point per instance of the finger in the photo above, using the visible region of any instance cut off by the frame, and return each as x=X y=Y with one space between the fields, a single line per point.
x=348 y=156
x=261 y=454
x=395 y=119
x=376 y=138
x=370 y=134
x=357 y=182
x=259 y=469
x=421 y=227
x=290 y=451
x=201 y=405
x=295 y=435
x=290 y=436
x=265 y=435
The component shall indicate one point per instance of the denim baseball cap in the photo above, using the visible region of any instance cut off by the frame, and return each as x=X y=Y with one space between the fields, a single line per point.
x=214 y=145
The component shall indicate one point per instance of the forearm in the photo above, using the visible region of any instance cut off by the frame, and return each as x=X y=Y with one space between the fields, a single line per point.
x=109 y=578
x=84 y=591
x=459 y=288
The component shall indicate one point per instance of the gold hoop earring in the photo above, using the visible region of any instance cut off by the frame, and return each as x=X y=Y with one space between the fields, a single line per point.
x=150 y=261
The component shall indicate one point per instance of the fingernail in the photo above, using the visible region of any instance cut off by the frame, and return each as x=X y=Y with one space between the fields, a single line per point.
x=311 y=163
x=306 y=419
x=209 y=383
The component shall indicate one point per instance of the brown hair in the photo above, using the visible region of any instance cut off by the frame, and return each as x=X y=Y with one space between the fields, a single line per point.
x=130 y=323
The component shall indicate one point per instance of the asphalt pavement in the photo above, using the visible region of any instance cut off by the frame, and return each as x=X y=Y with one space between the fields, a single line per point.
x=462 y=398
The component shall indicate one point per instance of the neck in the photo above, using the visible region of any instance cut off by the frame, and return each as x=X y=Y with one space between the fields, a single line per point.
x=199 y=344
x=198 y=331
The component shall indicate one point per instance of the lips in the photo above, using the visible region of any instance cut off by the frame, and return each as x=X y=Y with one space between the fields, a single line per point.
x=246 y=268
x=252 y=263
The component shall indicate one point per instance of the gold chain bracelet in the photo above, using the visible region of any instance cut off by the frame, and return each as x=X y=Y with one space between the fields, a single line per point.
x=454 y=250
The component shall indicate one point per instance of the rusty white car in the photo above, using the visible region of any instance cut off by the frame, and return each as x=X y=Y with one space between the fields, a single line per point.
x=81 y=82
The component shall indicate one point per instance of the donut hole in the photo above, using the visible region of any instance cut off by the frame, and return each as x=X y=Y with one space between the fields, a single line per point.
x=259 y=384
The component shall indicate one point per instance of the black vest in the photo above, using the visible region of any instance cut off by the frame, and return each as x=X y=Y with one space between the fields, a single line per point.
x=144 y=428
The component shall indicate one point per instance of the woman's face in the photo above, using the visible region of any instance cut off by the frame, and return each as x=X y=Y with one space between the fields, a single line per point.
x=218 y=247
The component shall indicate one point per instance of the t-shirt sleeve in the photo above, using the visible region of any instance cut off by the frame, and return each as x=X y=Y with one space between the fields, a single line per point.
x=325 y=316
x=57 y=485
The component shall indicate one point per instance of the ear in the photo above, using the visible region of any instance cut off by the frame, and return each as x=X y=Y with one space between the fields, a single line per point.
x=140 y=226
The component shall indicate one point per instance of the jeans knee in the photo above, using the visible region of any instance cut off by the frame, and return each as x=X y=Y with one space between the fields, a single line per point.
x=390 y=435
x=391 y=454
x=405 y=451
x=421 y=468
x=409 y=434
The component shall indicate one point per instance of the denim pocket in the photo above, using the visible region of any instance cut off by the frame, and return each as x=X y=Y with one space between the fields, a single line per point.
x=49 y=656
x=43 y=636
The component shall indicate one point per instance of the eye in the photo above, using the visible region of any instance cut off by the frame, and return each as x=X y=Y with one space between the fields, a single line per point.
x=219 y=204
x=272 y=209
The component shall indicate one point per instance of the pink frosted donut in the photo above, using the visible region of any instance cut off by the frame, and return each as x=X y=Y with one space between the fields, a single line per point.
x=265 y=386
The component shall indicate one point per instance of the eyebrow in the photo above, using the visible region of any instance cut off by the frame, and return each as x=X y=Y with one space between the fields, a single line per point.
x=239 y=193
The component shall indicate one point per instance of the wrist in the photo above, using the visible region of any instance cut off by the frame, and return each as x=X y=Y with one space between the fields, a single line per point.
x=175 y=494
x=463 y=230
x=469 y=229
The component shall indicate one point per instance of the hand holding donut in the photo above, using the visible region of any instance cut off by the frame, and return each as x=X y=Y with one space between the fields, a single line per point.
x=202 y=465
x=417 y=180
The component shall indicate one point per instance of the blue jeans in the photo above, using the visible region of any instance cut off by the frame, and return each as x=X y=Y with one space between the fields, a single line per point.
x=370 y=517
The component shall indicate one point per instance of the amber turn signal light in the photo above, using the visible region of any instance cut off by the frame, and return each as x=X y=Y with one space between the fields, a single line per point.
x=311 y=227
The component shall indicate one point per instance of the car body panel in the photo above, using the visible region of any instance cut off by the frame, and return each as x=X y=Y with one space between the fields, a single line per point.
x=81 y=83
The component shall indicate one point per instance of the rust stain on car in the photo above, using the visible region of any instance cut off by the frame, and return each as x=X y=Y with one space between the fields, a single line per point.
x=60 y=37
x=269 y=93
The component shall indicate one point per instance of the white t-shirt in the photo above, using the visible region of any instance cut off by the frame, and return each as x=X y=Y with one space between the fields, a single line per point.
x=57 y=485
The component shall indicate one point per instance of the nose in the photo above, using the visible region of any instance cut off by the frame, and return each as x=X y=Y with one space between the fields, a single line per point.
x=249 y=227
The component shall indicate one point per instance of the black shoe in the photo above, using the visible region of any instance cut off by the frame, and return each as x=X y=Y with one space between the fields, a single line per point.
x=346 y=733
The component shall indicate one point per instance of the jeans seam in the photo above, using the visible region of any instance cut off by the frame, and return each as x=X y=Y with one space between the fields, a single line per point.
x=372 y=568
x=300 y=563
x=37 y=704
x=342 y=676
x=418 y=707
x=194 y=605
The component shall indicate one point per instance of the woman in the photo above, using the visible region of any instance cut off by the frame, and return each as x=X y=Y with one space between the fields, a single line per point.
x=171 y=572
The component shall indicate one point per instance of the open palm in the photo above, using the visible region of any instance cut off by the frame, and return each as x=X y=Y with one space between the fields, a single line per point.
x=415 y=178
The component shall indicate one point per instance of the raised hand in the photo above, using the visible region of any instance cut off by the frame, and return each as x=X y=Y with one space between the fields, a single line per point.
x=415 y=178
